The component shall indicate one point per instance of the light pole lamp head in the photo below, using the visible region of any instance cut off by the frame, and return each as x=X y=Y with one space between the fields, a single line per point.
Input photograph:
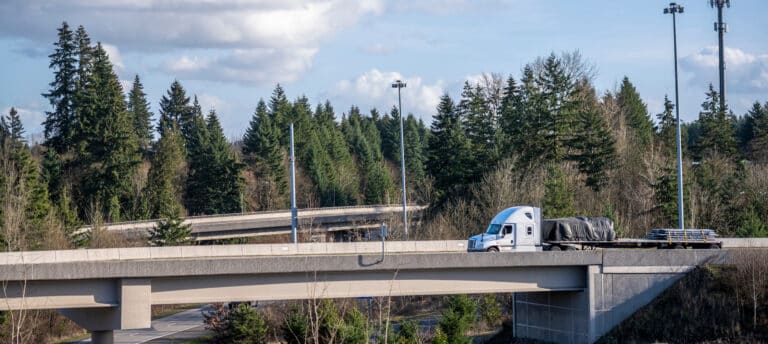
x=673 y=8
x=398 y=84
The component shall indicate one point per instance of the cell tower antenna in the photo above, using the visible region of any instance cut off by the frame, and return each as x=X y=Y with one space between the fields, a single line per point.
x=721 y=29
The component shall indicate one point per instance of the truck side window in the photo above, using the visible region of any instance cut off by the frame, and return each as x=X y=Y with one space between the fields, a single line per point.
x=529 y=230
x=507 y=230
x=529 y=216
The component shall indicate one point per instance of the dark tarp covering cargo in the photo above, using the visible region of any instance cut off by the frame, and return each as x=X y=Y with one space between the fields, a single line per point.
x=578 y=229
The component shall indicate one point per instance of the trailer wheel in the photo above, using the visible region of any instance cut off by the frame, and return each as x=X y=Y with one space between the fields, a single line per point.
x=570 y=248
x=678 y=247
x=714 y=246
x=555 y=248
x=493 y=249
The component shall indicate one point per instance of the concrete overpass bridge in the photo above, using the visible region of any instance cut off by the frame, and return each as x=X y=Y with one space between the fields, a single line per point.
x=241 y=225
x=574 y=296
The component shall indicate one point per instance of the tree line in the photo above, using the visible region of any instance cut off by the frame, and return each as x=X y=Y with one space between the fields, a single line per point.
x=544 y=138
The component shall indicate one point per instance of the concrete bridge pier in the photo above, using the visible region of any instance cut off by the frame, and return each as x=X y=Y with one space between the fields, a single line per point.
x=132 y=310
x=613 y=294
x=102 y=337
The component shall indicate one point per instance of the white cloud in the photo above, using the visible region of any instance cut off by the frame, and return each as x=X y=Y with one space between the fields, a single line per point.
x=265 y=66
x=114 y=56
x=254 y=41
x=211 y=102
x=374 y=89
x=442 y=7
x=745 y=72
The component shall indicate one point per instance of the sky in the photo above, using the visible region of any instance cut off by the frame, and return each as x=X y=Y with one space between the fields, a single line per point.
x=231 y=53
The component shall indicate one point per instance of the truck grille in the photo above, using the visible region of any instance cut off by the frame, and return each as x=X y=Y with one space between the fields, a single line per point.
x=471 y=244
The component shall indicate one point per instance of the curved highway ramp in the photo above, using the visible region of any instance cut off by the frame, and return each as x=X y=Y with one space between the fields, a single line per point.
x=240 y=225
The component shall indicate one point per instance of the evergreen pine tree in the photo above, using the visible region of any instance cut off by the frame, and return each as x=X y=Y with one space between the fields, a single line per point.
x=558 y=200
x=226 y=172
x=717 y=128
x=170 y=231
x=458 y=317
x=665 y=195
x=85 y=99
x=635 y=113
x=198 y=187
x=668 y=129
x=280 y=110
x=390 y=135
x=262 y=143
x=556 y=109
x=448 y=148
x=346 y=178
x=594 y=149
x=758 y=143
x=214 y=181
x=174 y=108
x=138 y=109
x=166 y=176
x=414 y=150
x=531 y=138
x=26 y=177
x=480 y=127
x=111 y=146
x=363 y=136
x=57 y=125
x=512 y=121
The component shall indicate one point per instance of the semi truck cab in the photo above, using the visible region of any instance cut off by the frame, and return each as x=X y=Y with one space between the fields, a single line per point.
x=513 y=229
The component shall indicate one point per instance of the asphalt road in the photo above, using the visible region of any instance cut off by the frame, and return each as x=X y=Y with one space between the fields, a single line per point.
x=176 y=328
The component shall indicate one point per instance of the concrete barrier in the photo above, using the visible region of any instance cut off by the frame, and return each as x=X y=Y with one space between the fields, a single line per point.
x=744 y=242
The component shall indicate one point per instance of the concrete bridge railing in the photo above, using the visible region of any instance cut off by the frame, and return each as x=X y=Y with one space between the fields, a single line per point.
x=571 y=296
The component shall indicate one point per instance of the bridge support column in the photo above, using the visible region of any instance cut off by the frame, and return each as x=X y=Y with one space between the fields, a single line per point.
x=102 y=337
x=613 y=294
x=134 y=311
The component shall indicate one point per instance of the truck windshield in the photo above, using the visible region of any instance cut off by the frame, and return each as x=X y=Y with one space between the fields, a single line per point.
x=493 y=229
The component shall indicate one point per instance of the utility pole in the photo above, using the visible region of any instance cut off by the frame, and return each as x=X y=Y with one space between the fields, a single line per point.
x=721 y=29
x=398 y=85
x=294 y=215
x=674 y=9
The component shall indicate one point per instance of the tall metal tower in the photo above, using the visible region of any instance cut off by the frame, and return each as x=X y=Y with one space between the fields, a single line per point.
x=399 y=85
x=721 y=29
x=677 y=9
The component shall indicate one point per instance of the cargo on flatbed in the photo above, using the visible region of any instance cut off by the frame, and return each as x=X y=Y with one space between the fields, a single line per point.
x=523 y=229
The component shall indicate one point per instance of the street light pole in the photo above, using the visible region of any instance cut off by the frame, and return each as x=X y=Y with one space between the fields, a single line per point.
x=674 y=9
x=294 y=212
x=398 y=85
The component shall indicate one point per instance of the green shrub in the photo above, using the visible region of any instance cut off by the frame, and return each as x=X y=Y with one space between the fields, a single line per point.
x=459 y=315
x=490 y=310
x=296 y=327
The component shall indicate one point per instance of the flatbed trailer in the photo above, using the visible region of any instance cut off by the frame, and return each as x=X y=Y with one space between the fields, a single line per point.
x=522 y=229
x=632 y=243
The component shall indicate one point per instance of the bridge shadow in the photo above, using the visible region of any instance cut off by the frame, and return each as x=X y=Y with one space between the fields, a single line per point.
x=375 y=261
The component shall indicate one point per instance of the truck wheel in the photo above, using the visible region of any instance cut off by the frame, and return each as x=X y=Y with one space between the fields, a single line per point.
x=555 y=248
x=570 y=248
x=493 y=249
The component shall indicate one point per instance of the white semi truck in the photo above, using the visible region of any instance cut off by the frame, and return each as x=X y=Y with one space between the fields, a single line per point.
x=522 y=228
